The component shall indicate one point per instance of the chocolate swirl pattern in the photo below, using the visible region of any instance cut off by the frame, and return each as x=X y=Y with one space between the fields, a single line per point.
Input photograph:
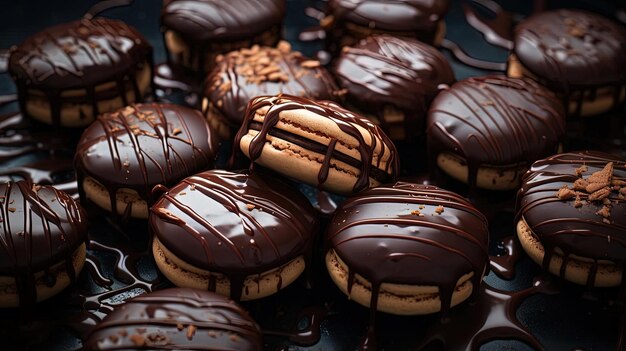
x=403 y=232
x=384 y=71
x=234 y=224
x=144 y=145
x=176 y=319
x=41 y=227
x=495 y=121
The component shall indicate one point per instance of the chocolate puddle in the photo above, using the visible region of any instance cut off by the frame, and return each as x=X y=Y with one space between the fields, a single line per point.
x=504 y=265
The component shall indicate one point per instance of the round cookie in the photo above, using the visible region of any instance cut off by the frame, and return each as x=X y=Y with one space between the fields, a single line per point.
x=575 y=53
x=181 y=319
x=487 y=131
x=195 y=32
x=317 y=142
x=348 y=21
x=68 y=74
x=392 y=81
x=43 y=242
x=571 y=217
x=407 y=249
x=247 y=73
x=242 y=235
x=124 y=154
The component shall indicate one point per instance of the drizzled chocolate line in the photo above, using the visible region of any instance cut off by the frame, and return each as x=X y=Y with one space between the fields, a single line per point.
x=495 y=121
x=41 y=227
x=345 y=120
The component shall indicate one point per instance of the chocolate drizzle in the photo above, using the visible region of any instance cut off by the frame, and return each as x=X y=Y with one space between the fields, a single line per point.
x=143 y=145
x=234 y=224
x=41 y=227
x=80 y=55
x=383 y=71
x=353 y=125
x=176 y=318
x=401 y=234
x=495 y=121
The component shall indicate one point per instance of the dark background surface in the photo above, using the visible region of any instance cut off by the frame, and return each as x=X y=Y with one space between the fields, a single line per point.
x=573 y=319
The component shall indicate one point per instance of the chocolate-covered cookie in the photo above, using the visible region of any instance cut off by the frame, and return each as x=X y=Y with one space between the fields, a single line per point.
x=242 y=235
x=247 y=73
x=407 y=249
x=576 y=53
x=487 y=131
x=317 y=142
x=571 y=216
x=393 y=81
x=124 y=154
x=197 y=31
x=42 y=245
x=68 y=74
x=176 y=319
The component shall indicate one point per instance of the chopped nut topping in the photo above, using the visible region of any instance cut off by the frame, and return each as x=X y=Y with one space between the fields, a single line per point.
x=12 y=209
x=176 y=131
x=191 y=331
x=603 y=176
x=565 y=193
x=138 y=340
x=310 y=64
x=250 y=207
x=599 y=194
x=605 y=211
x=439 y=209
x=180 y=326
x=580 y=170
x=416 y=213
x=580 y=184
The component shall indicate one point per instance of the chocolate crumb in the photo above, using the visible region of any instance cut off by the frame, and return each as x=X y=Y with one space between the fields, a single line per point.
x=599 y=194
x=565 y=193
x=12 y=209
x=582 y=169
x=578 y=203
x=605 y=211
x=416 y=213
x=191 y=331
x=180 y=326
x=138 y=340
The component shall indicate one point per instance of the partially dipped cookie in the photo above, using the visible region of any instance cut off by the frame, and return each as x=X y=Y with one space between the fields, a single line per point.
x=317 y=142
x=407 y=249
x=487 y=131
x=180 y=319
x=242 y=235
x=68 y=74
x=571 y=217
x=42 y=245
x=124 y=154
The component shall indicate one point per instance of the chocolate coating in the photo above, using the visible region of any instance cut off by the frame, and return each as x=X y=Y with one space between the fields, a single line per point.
x=41 y=227
x=558 y=223
x=181 y=319
x=144 y=145
x=383 y=70
x=379 y=236
x=237 y=78
x=236 y=224
x=204 y=20
x=572 y=49
x=79 y=54
x=495 y=121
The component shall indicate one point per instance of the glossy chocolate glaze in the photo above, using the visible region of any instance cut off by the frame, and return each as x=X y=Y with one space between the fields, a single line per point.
x=80 y=55
x=234 y=81
x=383 y=70
x=393 y=234
x=235 y=224
x=176 y=319
x=495 y=121
x=42 y=227
x=558 y=223
x=348 y=122
x=144 y=145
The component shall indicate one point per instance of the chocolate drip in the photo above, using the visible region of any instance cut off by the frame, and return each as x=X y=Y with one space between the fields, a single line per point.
x=394 y=234
x=463 y=57
x=497 y=31
x=234 y=224
x=348 y=122
x=144 y=145
x=504 y=266
x=495 y=121
x=309 y=333
x=41 y=227
x=104 y=5
x=383 y=71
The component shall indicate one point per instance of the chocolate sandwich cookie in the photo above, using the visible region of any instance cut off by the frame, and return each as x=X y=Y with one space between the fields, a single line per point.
x=392 y=81
x=195 y=32
x=571 y=217
x=242 y=235
x=407 y=249
x=487 y=131
x=349 y=21
x=42 y=248
x=176 y=319
x=317 y=142
x=247 y=73
x=124 y=154
x=70 y=73
x=578 y=54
